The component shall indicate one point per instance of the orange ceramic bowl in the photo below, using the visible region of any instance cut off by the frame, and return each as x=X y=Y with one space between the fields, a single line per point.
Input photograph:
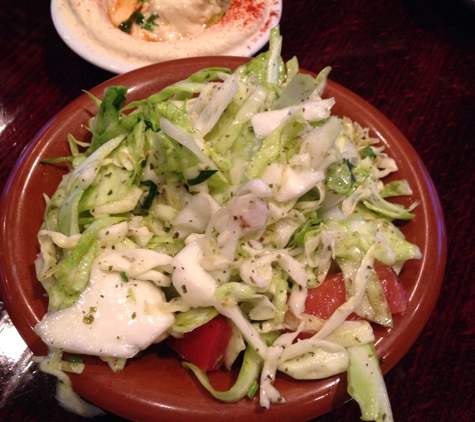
x=154 y=386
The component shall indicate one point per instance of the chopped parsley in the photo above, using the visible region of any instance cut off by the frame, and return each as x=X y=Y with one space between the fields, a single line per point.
x=139 y=19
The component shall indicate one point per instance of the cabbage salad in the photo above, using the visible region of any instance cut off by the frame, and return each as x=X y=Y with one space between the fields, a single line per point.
x=231 y=195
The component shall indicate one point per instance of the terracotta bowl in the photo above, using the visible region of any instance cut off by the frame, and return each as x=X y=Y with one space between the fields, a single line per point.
x=154 y=386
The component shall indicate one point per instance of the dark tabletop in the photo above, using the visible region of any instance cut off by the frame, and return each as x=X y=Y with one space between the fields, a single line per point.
x=414 y=60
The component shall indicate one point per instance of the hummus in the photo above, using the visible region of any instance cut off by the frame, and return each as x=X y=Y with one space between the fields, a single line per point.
x=183 y=28
x=161 y=20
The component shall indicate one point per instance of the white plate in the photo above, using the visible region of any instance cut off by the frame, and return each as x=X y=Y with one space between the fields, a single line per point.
x=90 y=46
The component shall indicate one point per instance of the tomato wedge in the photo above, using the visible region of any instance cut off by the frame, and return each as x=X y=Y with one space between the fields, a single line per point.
x=393 y=290
x=325 y=299
x=206 y=345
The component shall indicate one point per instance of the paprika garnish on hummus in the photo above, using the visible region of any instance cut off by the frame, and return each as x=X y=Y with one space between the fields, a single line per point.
x=135 y=33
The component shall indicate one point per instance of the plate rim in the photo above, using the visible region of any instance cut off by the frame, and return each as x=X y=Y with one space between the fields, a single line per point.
x=334 y=393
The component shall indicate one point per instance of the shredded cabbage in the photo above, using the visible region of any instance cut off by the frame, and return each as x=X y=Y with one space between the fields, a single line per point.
x=234 y=193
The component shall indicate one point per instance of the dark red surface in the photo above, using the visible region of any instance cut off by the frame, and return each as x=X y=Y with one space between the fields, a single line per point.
x=414 y=61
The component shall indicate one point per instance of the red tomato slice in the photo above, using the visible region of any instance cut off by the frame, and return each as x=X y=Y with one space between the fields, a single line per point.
x=324 y=300
x=206 y=345
x=393 y=289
